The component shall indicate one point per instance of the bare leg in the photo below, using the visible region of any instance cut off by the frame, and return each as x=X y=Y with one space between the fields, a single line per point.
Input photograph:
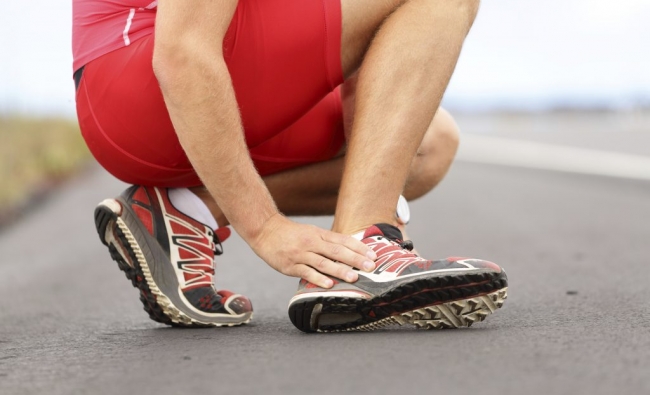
x=313 y=190
x=401 y=82
x=400 y=114
x=435 y=154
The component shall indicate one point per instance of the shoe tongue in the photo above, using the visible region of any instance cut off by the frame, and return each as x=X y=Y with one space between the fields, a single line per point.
x=223 y=233
x=386 y=230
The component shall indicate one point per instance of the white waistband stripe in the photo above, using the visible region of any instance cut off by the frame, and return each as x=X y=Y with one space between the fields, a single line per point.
x=125 y=33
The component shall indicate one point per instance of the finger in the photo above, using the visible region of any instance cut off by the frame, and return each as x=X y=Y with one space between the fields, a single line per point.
x=342 y=254
x=352 y=244
x=307 y=273
x=327 y=266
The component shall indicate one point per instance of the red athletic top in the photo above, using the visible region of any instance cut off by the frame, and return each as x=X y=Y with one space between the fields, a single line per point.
x=102 y=26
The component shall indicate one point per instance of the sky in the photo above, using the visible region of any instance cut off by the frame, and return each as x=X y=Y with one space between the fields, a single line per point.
x=521 y=54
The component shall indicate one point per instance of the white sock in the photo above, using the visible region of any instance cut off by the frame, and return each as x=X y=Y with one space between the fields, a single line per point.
x=191 y=205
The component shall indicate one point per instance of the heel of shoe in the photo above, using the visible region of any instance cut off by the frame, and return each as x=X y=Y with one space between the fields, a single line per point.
x=105 y=212
x=304 y=315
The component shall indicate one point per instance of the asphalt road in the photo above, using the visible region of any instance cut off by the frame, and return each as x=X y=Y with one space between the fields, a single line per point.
x=577 y=321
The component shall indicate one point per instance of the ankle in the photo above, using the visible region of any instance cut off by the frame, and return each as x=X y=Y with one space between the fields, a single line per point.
x=359 y=227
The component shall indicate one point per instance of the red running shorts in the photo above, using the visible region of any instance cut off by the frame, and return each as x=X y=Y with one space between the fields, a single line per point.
x=284 y=58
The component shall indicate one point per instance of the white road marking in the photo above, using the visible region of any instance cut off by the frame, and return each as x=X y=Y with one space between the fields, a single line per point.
x=533 y=155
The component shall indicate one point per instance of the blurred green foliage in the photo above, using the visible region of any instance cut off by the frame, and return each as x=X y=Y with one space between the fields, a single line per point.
x=35 y=153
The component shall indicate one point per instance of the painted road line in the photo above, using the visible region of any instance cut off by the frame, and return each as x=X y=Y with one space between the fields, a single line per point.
x=543 y=156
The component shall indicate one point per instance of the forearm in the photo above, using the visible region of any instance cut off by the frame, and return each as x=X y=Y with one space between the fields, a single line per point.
x=189 y=65
x=204 y=111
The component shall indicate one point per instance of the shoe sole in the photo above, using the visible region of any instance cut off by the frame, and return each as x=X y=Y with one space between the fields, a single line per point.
x=431 y=303
x=123 y=246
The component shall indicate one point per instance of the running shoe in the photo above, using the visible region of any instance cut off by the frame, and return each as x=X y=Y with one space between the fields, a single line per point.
x=169 y=257
x=403 y=289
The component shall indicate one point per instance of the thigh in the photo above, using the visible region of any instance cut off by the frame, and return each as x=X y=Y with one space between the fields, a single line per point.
x=124 y=120
x=284 y=57
x=315 y=137
x=361 y=20
x=126 y=125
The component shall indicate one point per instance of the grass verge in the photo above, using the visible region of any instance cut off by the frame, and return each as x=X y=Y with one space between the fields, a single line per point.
x=35 y=154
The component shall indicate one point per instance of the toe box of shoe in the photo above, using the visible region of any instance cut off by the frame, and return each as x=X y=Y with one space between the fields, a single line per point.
x=235 y=303
x=474 y=263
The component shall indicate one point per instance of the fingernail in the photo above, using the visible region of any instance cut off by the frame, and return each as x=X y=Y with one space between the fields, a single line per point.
x=368 y=266
x=329 y=283
x=371 y=255
x=351 y=276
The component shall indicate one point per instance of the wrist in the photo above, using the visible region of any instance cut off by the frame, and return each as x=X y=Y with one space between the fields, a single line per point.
x=254 y=231
x=255 y=237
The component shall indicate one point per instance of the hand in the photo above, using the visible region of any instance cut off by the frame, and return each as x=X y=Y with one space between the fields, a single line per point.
x=309 y=252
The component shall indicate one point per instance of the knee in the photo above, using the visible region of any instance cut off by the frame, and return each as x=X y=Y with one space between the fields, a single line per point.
x=468 y=7
x=442 y=138
x=471 y=7
x=466 y=11
x=463 y=12
x=434 y=157
x=448 y=129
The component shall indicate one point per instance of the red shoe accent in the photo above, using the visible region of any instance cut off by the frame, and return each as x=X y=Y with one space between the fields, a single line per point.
x=141 y=196
x=372 y=231
x=391 y=258
x=457 y=258
x=223 y=233
x=244 y=304
x=145 y=216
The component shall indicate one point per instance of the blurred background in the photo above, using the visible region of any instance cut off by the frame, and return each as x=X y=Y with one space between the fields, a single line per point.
x=523 y=58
